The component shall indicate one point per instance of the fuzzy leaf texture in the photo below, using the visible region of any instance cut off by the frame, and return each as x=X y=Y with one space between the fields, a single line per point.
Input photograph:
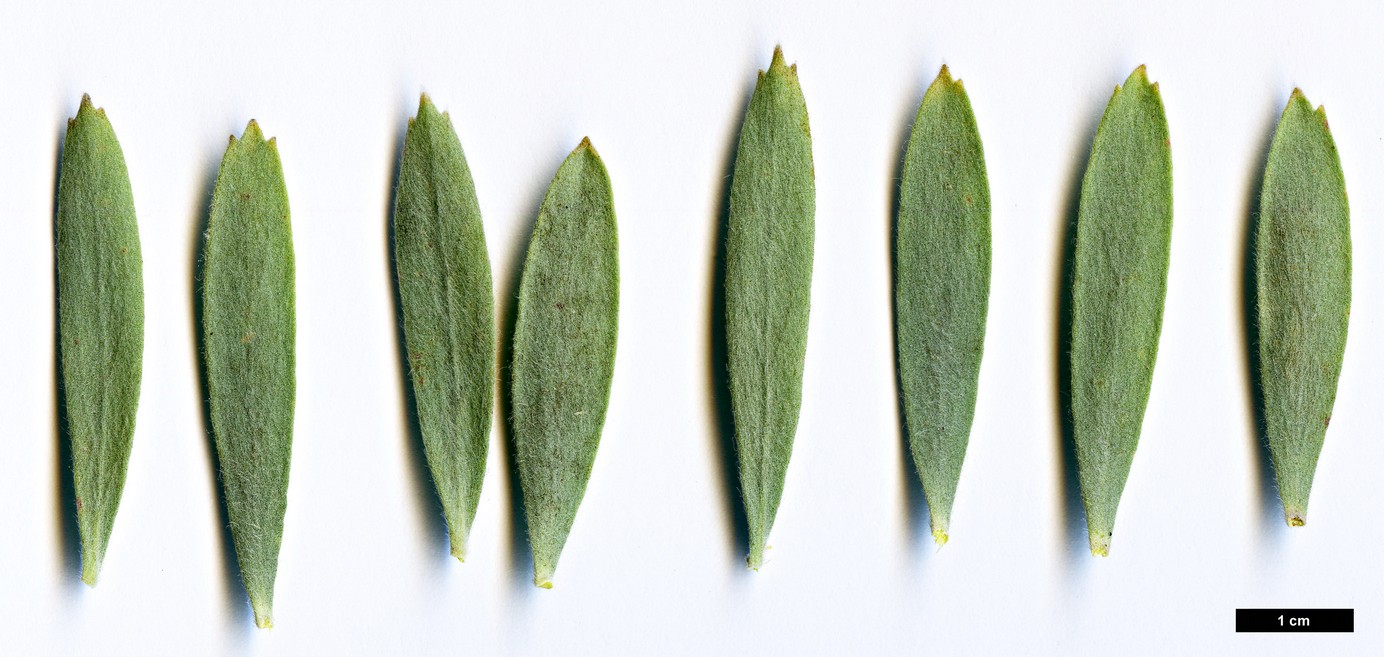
x=248 y=330
x=1119 y=281
x=564 y=350
x=448 y=310
x=1303 y=296
x=100 y=322
x=942 y=288
x=768 y=287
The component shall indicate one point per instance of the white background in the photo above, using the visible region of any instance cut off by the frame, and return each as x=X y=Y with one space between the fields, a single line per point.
x=654 y=564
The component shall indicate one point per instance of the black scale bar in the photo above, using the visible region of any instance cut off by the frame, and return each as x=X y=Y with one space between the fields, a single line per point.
x=1294 y=620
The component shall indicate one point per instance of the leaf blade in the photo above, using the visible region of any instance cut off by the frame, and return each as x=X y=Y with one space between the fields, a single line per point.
x=249 y=333
x=768 y=281
x=1124 y=233
x=564 y=350
x=942 y=288
x=101 y=322
x=1303 y=278
x=447 y=301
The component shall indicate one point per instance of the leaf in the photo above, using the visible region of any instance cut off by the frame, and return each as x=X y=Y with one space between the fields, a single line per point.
x=564 y=350
x=768 y=287
x=248 y=329
x=100 y=322
x=1119 y=281
x=943 y=288
x=448 y=310
x=1303 y=295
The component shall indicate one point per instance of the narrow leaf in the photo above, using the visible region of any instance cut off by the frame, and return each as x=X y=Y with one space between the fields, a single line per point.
x=564 y=350
x=1120 y=278
x=448 y=307
x=1303 y=273
x=248 y=329
x=768 y=285
x=100 y=322
x=942 y=288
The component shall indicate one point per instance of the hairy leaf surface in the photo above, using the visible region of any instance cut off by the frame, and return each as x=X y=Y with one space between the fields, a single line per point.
x=1120 y=279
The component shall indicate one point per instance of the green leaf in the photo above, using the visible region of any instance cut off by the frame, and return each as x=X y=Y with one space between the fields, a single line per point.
x=768 y=289
x=942 y=288
x=248 y=330
x=448 y=307
x=100 y=322
x=564 y=350
x=1119 y=281
x=1303 y=295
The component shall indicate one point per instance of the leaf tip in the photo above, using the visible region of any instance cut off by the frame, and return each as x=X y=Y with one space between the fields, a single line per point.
x=1100 y=545
x=940 y=536
x=1295 y=516
x=779 y=66
x=586 y=147
x=93 y=551
x=944 y=82
x=264 y=618
x=543 y=570
x=1139 y=79
x=426 y=108
x=85 y=108
x=252 y=133
x=755 y=560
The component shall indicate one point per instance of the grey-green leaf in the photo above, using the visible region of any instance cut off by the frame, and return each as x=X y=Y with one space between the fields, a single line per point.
x=448 y=305
x=768 y=288
x=942 y=288
x=1119 y=281
x=100 y=322
x=248 y=332
x=564 y=350
x=1303 y=295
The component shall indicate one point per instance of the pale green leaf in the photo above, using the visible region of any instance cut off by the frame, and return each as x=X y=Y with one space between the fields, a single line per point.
x=768 y=288
x=942 y=288
x=448 y=310
x=248 y=331
x=564 y=350
x=1303 y=296
x=100 y=322
x=1119 y=281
